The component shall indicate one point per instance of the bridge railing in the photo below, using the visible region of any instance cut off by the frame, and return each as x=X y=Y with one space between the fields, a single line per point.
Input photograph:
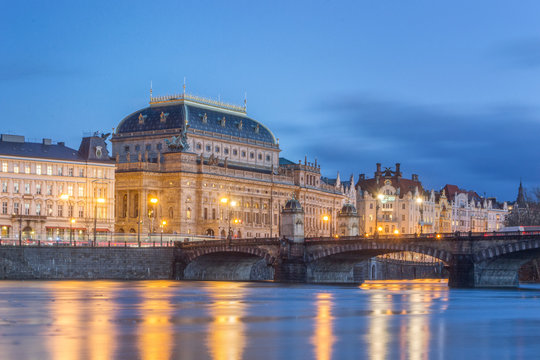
x=131 y=240
x=458 y=235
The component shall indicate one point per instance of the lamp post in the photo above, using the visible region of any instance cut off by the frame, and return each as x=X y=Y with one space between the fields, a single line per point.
x=98 y=201
x=229 y=203
x=420 y=203
x=327 y=219
x=163 y=223
x=152 y=214
x=378 y=228
x=71 y=222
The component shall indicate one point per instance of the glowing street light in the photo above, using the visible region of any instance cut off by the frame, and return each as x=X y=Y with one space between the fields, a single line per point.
x=229 y=203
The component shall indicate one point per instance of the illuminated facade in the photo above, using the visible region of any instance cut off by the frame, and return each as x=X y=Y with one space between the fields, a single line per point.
x=50 y=190
x=390 y=204
x=212 y=170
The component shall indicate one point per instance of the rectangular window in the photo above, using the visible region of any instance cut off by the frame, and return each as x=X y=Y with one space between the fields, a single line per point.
x=70 y=171
x=100 y=173
x=16 y=208
x=60 y=210
x=4 y=167
x=49 y=210
x=16 y=168
x=403 y=217
x=16 y=187
x=70 y=190
x=60 y=171
x=49 y=189
x=27 y=188
x=81 y=172
x=38 y=169
x=4 y=186
x=126 y=148
x=38 y=209
x=70 y=210
x=148 y=147
x=81 y=191
x=49 y=169
x=4 y=207
x=27 y=169
x=38 y=189
x=26 y=209
x=81 y=211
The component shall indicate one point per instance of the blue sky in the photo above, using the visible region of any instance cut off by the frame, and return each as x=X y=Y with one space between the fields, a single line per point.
x=450 y=90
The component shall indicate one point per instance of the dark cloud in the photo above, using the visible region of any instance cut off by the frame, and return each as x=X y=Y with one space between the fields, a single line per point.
x=523 y=53
x=484 y=149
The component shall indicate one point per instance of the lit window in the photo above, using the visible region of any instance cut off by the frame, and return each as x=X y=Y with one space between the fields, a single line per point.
x=38 y=169
x=27 y=169
x=16 y=168
x=81 y=191
x=49 y=170
x=4 y=167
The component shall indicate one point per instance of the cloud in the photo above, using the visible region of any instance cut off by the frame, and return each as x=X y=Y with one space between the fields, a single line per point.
x=475 y=148
x=523 y=53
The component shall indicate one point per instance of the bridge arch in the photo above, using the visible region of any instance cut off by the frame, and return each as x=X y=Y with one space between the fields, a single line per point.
x=224 y=262
x=337 y=263
x=498 y=266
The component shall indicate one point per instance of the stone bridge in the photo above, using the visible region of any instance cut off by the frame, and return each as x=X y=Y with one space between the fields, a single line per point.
x=473 y=260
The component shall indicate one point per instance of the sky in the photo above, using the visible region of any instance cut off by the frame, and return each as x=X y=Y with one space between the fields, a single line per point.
x=450 y=90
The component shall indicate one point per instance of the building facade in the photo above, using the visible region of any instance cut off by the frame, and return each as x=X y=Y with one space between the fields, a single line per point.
x=195 y=166
x=52 y=192
x=390 y=204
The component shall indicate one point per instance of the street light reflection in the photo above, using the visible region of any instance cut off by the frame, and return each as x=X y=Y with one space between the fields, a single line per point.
x=323 y=339
x=226 y=339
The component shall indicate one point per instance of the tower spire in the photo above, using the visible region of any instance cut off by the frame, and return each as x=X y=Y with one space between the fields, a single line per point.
x=150 y=90
x=184 y=87
x=520 y=201
x=245 y=101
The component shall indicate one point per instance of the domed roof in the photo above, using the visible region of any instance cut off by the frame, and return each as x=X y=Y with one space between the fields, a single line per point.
x=348 y=210
x=293 y=205
x=175 y=114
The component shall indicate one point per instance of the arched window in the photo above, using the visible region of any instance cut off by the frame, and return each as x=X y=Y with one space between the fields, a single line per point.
x=188 y=213
x=171 y=213
x=209 y=232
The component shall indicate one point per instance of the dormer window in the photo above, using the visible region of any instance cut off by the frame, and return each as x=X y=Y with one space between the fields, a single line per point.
x=223 y=121
x=257 y=129
x=141 y=119
x=204 y=118
x=240 y=125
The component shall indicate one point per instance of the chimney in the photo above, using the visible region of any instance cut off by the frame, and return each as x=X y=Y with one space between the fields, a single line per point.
x=398 y=169
x=362 y=177
x=47 y=141
x=378 y=167
x=414 y=177
x=61 y=143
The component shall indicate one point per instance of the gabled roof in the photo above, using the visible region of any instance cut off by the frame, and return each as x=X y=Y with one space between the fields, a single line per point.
x=404 y=185
x=283 y=161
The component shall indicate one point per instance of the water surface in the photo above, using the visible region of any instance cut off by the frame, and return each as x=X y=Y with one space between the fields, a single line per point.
x=227 y=320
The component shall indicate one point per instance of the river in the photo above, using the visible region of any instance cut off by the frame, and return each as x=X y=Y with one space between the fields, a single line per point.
x=234 y=320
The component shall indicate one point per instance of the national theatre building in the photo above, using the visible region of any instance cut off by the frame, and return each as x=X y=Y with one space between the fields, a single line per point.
x=189 y=165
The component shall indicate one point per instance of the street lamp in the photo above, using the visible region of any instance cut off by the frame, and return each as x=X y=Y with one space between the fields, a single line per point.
x=163 y=223
x=152 y=214
x=419 y=201
x=378 y=228
x=229 y=203
x=71 y=222
x=98 y=201
x=326 y=219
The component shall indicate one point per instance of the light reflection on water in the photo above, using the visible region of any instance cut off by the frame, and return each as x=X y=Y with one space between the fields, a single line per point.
x=227 y=320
